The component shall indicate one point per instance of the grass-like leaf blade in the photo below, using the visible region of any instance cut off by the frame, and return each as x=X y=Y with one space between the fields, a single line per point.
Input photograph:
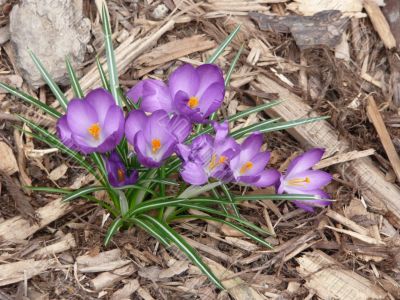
x=190 y=252
x=50 y=82
x=29 y=99
x=103 y=76
x=223 y=45
x=114 y=227
x=112 y=65
x=76 y=88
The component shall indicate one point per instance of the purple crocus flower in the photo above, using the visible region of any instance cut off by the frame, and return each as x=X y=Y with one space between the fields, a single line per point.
x=192 y=92
x=248 y=166
x=300 y=179
x=155 y=137
x=208 y=156
x=117 y=173
x=93 y=124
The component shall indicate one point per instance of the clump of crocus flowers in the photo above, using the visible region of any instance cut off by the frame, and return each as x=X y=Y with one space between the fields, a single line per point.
x=159 y=129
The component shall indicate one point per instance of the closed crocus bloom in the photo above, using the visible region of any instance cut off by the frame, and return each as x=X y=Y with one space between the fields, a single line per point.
x=192 y=92
x=117 y=173
x=301 y=179
x=208 y=156
x=248 y=166
x=93 y=124
x=155 y=137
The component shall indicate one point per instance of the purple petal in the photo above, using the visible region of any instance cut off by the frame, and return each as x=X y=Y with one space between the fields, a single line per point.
x=183 y=151
x=221 y=130
x=180 y=127
x=180 y=102
x=305 y=161
x=212 y=99
x=267 y=178
x=115 y=122
x=135 y=122
x=80 y=116
x=154 y=93
x=194 y=174
x=133 y=177
x=101 y=101
x=312 y=180
x=259 y=162
x=110 y=143
x=307 y=205
x=64 y=133
x=186 y=79
x=208 y=75
x=251 y=146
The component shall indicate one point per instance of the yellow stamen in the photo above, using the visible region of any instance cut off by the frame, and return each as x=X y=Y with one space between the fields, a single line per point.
x=214 y=163
x=193 y=102
x=121 y=175
x=155 y=145
x=94 y=131
x=299 y=181
x=246 y=167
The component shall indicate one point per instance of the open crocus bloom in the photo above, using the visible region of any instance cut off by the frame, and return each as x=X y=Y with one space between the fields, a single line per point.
x=300 y=179
x=248 y=166
x=93 y=124
x=117 y=173
x=193 y=92
x=208 y=157
x=155 y=137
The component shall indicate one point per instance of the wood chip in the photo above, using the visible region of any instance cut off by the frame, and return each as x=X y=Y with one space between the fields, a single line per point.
x=177 y=268
x=23 y=270
x=330 y=280
x=343 y=157
x=58 y=172
x=380 y=23
x=376 y=118
x=8 y=163
x=236 y=287
x=65 y=243
x=126 y=291
x=18 y=228
x=104 y=261
x=108 y=279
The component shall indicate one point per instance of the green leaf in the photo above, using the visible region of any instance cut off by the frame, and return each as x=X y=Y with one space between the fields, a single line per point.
x=194 y=190
x=50 y=82
x=276 y=197
x=234 y=226
x=74 y=80
x=29 y=99
x=222 y=214
x=148 y=227
x=98 y=160
x=232 y=66
x=103 y=76
x=223 y=45
x=114 y=227
x=83 y=191
x=167 y=201
x=291 y=124
x=190 y=252
x=230 y=197
x=112 y=65
x=252 y=128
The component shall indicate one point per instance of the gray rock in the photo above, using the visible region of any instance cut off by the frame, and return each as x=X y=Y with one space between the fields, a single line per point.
x=53 y=30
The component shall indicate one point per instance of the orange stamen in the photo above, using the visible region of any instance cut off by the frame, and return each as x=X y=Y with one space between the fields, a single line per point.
x=246 y=167
x=94 y=131
x=193 y=102
x=155 y=145
x=121 y=175
x=299 y=181
x=214 y=163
